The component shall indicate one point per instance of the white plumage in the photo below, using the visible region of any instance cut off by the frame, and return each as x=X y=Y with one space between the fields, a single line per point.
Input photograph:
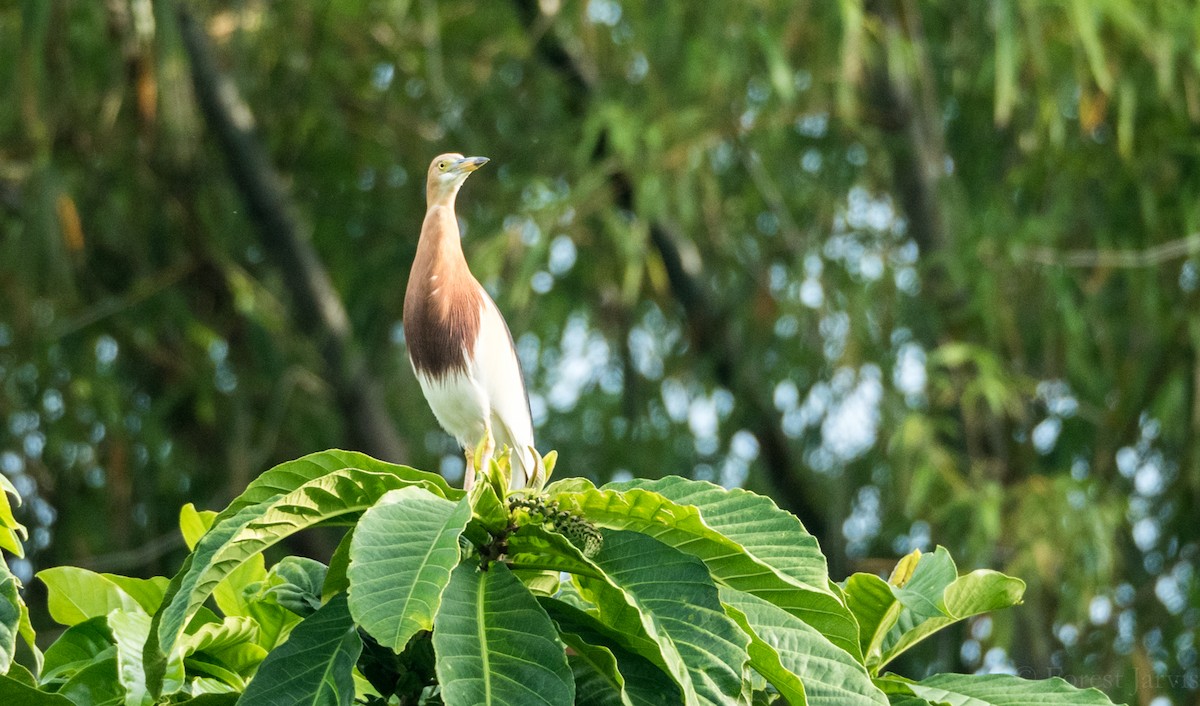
x=493 y=389
x=458 y=342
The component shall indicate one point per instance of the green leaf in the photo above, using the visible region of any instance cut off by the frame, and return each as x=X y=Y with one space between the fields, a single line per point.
x=147 y=592
x=800 y=662
x=876 y=608
x=651 y=589
x=23 y=675
x=295 y=583
x=194 y=523
x=274 y=621
x=495 y=645
x=977 y=592
x=540 y=582
x=13 y=534
x=745 y=540
x=209 y=686
x=77 y=647
x=129 y=630
x=13 y=691
x=95 y=685
x=291 y=475
x=994 y=690
x=29 y=635
x=224 y=699
x=770 y=535
x=535 y=548
x=487 y=499
x=894 y=618
x=905 y=700
x=641 y=682
x=336 y=580
x=229 y=593
x=243 y=658
x=408 y=672
x=597 y=681
x=10 y=616
x=403 y=551
x=234 y=539
x=205 y=664
x=215 y=636
x=922 y=592
x=75 y=595
x=314 y=666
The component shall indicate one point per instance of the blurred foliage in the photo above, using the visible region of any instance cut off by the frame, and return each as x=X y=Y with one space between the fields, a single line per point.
x=952 y=245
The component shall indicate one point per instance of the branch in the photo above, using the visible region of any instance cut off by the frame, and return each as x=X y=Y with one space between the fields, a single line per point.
x=905 y=107
x=137 y=558
x=1129 y=259
x=317 y=310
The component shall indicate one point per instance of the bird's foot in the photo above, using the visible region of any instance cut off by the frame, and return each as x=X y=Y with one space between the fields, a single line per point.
x=478 y=459
x=485 y=450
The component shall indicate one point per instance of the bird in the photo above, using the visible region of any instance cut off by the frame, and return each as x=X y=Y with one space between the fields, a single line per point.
x=459 y=344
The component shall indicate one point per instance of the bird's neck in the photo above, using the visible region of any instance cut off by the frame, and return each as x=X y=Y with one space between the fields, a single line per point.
x=439 y=251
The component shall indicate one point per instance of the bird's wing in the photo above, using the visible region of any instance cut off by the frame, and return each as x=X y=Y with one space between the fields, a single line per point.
x=499 y=372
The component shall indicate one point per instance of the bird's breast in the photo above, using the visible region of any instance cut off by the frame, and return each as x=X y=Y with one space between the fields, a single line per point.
x=441 y=322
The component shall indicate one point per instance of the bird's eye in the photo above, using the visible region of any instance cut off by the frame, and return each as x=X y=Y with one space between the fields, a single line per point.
x=442 y=166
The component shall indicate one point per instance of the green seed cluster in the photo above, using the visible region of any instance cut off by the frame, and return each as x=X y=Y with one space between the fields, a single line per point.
x=579 y=531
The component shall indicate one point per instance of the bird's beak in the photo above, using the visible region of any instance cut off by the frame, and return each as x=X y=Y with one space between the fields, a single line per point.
x=469 y=164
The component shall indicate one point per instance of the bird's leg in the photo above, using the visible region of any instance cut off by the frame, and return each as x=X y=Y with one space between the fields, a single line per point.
x=469 y=473
x=478 y=459
x=487 y=447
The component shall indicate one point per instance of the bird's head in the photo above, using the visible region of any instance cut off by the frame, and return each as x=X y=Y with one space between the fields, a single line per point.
x=447 y=172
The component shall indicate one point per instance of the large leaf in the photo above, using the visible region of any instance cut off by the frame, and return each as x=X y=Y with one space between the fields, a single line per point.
x=77 y=647
x=495 y=645
x=876 y=607
x=239 y=537
x=535 y=548
x=147 y=592
x=637 y=681
x=29 y=635
x=288 y=476
x=10 y=616
x=75 y=595
x=597 y=680
x=295 y=583
x=228 y=593
x=771 y=535
x=314 y=666
x=216 y=636
x=211 y=700
x=921 y=592
x=274 y=620
x=241 y=658
x=651 y=589
x=748 y=544
x=13 y=691
x=129 y=630
x=800 y=662
x=977 y=592
x=894 y=618
x=12 y=533
x=95 y=685
x=403 y=551
x=336 y=580
x=994 y=690
x=220 y=677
